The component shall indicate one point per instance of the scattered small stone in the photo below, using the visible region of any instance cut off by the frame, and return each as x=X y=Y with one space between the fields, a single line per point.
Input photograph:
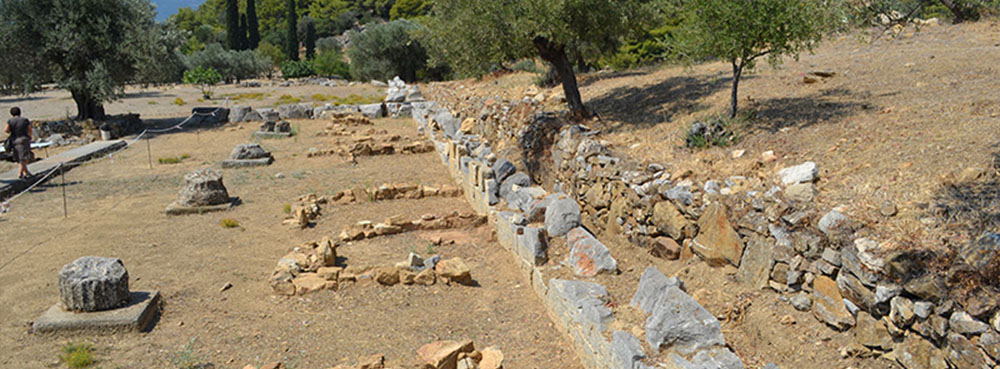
x=454 y=270
x=922 y=309
x=801 y=301
x=802 y=173
x=225 y=287
x=888 y=209
x=964 y=323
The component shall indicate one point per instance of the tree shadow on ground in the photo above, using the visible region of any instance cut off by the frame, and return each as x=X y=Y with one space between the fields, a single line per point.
x=774 y=114
x=661 y=102
x=589 y=79
x=17 y=99
x=971 y=206
x=142 y=94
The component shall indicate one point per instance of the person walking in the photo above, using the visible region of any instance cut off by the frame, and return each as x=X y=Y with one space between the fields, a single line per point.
x=20 y=129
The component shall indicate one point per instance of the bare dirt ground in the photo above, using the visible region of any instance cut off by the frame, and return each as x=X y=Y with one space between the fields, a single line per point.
x=116 y=210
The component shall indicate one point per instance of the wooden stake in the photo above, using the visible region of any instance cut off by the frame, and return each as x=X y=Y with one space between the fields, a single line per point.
x=62 y=173
x=149 y=154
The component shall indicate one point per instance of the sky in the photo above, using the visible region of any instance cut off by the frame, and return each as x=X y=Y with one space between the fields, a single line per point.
x=165 y=8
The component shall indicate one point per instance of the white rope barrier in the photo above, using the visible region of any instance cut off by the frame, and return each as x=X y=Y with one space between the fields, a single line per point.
x=5 y=206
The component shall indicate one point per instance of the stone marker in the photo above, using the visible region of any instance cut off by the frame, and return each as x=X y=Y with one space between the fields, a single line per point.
x=93 y=284
x=203 y=192
x=203 y=188
x=248 y=155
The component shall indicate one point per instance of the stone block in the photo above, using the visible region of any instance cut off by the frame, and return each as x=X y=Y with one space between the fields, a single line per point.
x=93 y=283
x=678 y=322
x=588 y=256
x=561 y=215
x=652 y=285
x=136 y=315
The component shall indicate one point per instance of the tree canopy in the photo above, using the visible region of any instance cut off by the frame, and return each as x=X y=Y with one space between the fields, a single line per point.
x=475 y=37
x=742 y=31
x=90 y=47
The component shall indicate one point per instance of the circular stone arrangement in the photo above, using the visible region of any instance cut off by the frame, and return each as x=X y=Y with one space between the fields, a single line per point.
x=94 y=283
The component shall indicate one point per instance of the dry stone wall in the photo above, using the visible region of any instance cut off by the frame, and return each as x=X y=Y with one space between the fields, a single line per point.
x=527 y=218
x=766 y=227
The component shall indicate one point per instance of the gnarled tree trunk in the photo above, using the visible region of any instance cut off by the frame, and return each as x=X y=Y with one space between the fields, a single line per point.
x=87 y=107
x=556 y=54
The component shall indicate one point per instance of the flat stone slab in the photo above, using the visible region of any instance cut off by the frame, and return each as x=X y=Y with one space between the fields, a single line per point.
x=10 y=184
x=245 y=163
x=176 y=209
x=260 y=134
x=136 y=316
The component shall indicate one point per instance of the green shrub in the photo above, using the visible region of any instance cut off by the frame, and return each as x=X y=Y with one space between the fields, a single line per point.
x=232 y=65
x=229 y=223
x=715 y=131
x=173 y=159
x=271 y=53
x=327 y=44
x=409 y=9
x=287 y=209
x=331 y=63
x=205 y=78
x=527 y=65
x=297 y=69
x=387 y=50
x=179 y=102
x=77 y=355
x=650 y=47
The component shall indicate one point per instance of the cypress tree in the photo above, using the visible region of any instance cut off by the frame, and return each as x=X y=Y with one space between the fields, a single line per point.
x=291 y=35
x=233 y=24
x=253 y=26
x=310 y=39
x=244 y=42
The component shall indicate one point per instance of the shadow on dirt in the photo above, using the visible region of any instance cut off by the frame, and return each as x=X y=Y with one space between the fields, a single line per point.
x=654 y=104
x=775 y=114
x=970 y=206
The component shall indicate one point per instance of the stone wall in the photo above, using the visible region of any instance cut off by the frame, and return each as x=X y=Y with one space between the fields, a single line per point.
x=528 y=218
x=819 y=260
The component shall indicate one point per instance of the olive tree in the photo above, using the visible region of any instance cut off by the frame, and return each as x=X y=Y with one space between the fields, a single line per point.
x=474 y=37
x=743 y=31
x=90 y=47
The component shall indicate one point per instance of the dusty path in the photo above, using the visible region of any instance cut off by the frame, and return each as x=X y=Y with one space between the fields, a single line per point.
x=115 y=209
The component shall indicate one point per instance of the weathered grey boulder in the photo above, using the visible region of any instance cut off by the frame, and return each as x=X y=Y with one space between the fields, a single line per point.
x=492 y=192
x=964 y=323
x=502 y=169
x=626 y=351
x=93 y=283
x=395 y=95
x=269 y=115
x=295 y=111
x=983 y=252
x=448 y=122
x=249 y=151
x=652 y=285
x=802 y=173
x=413 y=94
x=519 y=179
x=283 y=127
x=239 y=113
x=203 y=188
x=587 y=255
x=678 y=322
x=831 y=221
x=211 y=115
x=373 y=111
x=561 y=215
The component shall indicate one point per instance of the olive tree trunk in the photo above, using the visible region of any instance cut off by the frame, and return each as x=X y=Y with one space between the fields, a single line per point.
x=734 y=100
x=87 y=107
x=555 y=54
